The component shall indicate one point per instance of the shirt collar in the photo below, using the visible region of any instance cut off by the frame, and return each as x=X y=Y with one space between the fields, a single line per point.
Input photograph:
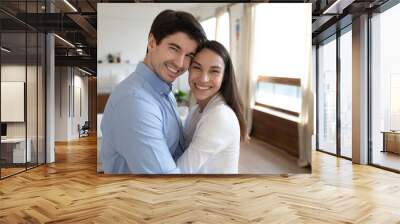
x=215 y=100
x=153 y=79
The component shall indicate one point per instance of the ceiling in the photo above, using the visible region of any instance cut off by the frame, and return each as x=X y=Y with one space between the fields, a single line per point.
x=77 y=23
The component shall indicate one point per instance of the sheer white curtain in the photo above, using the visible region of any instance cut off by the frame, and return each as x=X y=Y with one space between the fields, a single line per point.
x=242 y=26
x=306 y=126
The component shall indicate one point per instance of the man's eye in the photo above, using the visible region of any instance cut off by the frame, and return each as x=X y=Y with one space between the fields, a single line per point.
x=195 y=67
x=174 y=49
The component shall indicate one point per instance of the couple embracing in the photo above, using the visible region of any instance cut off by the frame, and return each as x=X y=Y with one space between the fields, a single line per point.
x=142 y=131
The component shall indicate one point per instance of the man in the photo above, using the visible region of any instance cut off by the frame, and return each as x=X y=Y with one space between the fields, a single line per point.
x=141 y=129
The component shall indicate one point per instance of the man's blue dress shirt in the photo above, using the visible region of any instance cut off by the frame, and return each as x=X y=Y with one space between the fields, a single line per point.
x=141 y=129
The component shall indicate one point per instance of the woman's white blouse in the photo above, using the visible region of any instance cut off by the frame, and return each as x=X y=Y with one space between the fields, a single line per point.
x=212 y=139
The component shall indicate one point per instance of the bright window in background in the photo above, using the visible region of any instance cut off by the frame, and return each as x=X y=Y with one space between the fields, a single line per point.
x=285 y=98
x=210 y=26
x=394 y=101
x=327 y=96
x=346 y=94
x=223 y=31
x=385 y=88
x=280 y=40
x=280 y=49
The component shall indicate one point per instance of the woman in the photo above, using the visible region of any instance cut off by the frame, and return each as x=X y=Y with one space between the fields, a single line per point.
x=215 y=125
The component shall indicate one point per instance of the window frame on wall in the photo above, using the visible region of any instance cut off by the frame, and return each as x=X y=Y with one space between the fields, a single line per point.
x=24 y=124
x=285 y=84
x=216 y=20
x=381 y=9
x=337 y=38
x=326 y=41
x=39 y=55
x=284 y=81
x=345 y=30
x=212 y=19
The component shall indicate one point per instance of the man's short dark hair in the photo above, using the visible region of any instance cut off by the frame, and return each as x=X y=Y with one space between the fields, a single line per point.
x=169 y=22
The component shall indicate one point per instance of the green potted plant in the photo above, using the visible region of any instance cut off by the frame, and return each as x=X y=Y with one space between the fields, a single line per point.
x=181 y=97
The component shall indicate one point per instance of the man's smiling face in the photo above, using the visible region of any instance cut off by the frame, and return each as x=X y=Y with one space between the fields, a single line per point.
x=172 y=56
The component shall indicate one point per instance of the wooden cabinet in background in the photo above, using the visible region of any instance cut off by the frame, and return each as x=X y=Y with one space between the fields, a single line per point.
x=276 y=131
x=391 y=141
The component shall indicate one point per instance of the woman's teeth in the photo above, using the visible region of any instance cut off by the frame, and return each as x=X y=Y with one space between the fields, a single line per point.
x=202 y=87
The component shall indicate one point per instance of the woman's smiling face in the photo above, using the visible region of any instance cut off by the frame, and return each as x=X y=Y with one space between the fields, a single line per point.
x=205 y=75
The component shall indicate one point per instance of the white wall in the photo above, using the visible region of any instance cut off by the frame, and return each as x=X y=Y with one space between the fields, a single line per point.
x=80 y=83
x=206 y=11
x=17 y=73
x=61 y=103
x=67 y=114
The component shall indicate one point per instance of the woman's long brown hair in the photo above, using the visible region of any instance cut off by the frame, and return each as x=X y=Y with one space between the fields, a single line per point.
x=229 y=88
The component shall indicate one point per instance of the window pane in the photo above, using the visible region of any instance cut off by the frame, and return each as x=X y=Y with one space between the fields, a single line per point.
x=385 y=87
x=280 y=47
x=223 y=31
x=209 y=27
x=327 y=97
x=287 y=59
x=264 y=93
x=345 y=94
x=278 y=95
x=13 y=85
x=31 y=100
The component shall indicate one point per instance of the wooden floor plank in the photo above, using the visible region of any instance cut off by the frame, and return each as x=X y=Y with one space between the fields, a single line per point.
x=70 y=191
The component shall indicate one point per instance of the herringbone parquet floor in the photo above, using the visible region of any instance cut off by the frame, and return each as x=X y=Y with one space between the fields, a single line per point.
x=70 y=191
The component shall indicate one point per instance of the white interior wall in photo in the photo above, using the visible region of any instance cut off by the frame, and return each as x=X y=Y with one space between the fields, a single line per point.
x=71 y=102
